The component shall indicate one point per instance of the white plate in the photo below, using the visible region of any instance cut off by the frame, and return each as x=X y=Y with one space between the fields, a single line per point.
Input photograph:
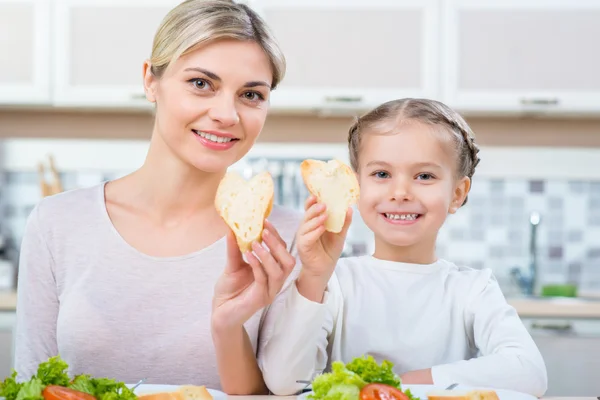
x=148 y=388
x=422 y=390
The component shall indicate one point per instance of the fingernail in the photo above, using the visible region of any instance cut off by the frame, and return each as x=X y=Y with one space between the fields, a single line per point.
x=266 y=232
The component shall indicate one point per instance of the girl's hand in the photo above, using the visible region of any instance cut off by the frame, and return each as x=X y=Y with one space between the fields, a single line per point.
x=318 y=249
x=246 y=287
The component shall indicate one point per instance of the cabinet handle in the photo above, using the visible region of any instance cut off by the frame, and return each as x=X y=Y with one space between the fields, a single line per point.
x=552 y=327
x=138 y=96
x=343 y=99
x=539 y=101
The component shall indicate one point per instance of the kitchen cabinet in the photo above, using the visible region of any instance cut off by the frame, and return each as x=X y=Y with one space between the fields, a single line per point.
x=353 y=54
x=100 y=48
x=7 y=330
x=25 y=49
x=571 y=351
x=507 y=56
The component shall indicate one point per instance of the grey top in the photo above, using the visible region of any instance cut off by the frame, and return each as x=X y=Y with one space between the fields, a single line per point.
x=112 y=311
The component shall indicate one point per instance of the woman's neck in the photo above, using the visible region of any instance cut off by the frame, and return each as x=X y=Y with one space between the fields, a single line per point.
x=170 y=187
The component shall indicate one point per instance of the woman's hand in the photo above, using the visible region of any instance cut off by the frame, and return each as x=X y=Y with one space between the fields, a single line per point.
x=318 y=249
x=246 y=287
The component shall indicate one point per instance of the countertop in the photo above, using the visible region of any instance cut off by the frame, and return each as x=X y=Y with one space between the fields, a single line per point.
x=525 y=306
x=8 y=300
x=555 y=307
x=297 y=397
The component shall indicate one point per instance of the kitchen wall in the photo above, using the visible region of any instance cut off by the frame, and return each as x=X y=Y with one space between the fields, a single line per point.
x=560 y=182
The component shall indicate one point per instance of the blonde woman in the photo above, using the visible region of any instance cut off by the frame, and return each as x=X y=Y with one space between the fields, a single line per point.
x=134 y=278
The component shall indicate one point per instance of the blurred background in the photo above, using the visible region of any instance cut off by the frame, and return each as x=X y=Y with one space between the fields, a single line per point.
x=525 y=74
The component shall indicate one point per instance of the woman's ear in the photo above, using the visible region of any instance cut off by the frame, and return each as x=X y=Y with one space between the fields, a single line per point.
x=150 y=82
x=461 y=190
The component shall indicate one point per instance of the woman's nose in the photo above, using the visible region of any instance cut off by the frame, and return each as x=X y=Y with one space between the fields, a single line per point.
x=224 y=111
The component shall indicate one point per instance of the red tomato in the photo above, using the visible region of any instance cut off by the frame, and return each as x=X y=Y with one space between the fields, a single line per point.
x=380 y=391
x=54 y=392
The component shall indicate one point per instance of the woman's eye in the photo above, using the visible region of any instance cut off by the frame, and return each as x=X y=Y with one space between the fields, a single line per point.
x=199 y=83
x=253 y=96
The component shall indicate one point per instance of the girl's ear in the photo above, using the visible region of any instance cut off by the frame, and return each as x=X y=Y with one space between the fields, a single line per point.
x=461 y=190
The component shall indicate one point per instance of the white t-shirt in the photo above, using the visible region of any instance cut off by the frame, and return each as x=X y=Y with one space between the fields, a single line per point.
x=453 y=320
x=112 y=311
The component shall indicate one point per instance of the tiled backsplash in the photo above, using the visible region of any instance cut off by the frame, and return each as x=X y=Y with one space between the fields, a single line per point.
x=492 y=230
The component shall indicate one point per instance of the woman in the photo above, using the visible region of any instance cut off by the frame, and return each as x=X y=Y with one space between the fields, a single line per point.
x=134 y=278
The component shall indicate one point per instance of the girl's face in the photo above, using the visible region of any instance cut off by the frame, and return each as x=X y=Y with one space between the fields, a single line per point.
x=211 y=104
x=408 y=187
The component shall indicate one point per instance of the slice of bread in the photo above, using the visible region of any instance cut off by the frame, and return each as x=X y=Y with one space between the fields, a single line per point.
x=244 y=205
x=334 y=184
x=185 y=392
x=191 y=392
x=161 y=396
x=463 y=395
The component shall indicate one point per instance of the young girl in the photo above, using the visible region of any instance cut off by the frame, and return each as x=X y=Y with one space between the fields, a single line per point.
x=436 y=322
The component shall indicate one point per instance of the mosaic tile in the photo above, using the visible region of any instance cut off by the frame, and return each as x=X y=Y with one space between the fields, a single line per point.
x=536 y=186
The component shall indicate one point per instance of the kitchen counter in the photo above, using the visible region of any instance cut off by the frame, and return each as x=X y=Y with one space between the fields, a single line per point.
x=525 y=306
x=8 y=300
x=303 y=397
x=552 y=307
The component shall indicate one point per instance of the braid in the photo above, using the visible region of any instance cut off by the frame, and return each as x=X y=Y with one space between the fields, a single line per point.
x=469 y=140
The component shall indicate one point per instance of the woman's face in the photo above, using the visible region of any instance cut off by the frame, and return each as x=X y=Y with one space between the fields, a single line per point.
x=211 y=104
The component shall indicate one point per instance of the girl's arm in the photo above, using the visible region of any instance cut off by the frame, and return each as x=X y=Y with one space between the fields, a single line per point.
x=509 y=357
x=37 y=302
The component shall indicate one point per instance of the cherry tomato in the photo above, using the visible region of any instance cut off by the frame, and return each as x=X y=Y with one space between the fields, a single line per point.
x=54 y=392
x=380 y=391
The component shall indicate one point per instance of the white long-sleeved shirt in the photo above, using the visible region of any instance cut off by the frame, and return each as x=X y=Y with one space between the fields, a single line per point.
x=451 y=319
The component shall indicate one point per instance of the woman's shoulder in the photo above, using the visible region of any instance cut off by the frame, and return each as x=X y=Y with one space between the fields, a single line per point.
x=67 y=208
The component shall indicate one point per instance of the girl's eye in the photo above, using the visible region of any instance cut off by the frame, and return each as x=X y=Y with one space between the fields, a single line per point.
x=253 y=96
x=425 y=177
x=381 y=174
x=199 y=83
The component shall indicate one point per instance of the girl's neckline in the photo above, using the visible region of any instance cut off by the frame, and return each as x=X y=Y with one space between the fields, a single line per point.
x=405 y=266
x=106 y=217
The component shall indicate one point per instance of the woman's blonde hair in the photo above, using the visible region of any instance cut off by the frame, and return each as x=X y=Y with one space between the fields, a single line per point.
x=194 y=23
x=426 y=111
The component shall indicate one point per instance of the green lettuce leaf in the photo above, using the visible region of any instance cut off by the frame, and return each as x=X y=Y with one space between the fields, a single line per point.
x=53 y=372
x=31 y=390
x=9 y=388
x=339 y=374
x=371 y=372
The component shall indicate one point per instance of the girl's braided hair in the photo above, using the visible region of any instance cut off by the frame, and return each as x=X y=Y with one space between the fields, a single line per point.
x=426 y=111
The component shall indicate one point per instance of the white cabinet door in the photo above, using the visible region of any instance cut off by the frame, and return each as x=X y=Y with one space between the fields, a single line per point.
x=353 y=53
x=571 y=352
x=100 y=48
x=522 y=55
x=25 y=48
x=7 y=342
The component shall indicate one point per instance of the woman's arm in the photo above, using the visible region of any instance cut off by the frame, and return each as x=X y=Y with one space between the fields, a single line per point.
x=244 y=289
x=37 y=301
